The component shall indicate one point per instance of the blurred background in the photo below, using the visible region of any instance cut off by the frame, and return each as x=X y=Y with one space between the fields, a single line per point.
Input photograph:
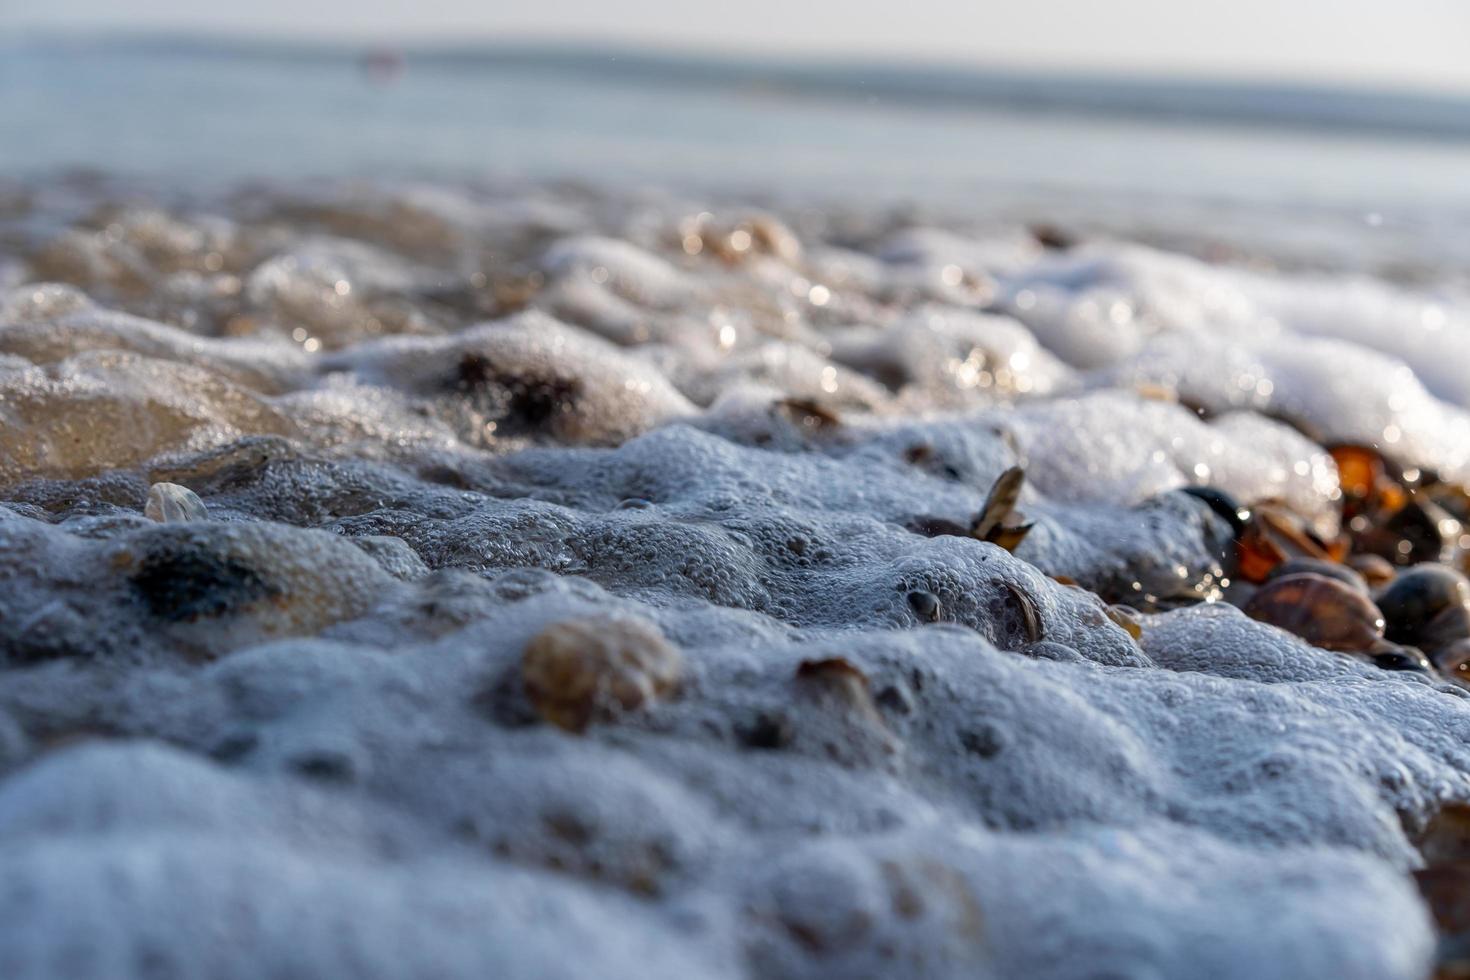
x=1313 y=103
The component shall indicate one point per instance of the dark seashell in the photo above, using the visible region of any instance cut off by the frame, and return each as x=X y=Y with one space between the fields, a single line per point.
x=1223 y=504
x=1453 y=662
x=1323 y=611
x=925 y=605
x=984 y=739
x=809 y=413
x=1425 y=606
x=1020 y=606
x=1052 y=238
x=933 y=527
x=1404 y=658
x=1419 y=526
x=1315 y=566
x=767 y=731
x=1412 y=534
x=925 y=458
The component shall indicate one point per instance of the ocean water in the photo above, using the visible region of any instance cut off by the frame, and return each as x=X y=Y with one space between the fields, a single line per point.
x=219 y=112
x=640 y=518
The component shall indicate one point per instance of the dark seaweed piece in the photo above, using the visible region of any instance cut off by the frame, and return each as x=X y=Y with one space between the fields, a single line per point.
x=767 y=730
x=520 y=403
x=185 y=585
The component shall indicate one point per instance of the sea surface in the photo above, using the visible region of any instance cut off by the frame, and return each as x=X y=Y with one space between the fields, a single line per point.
x=210 y=110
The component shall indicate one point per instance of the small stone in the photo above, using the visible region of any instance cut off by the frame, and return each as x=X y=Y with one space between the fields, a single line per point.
x=585 y=669
x=169 y=503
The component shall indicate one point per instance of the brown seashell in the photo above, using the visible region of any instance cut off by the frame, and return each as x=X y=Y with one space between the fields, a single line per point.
x=1127 y=617
x=809 y=413
x=1002 y=499
x=1446 y=838
x=1445 y=888
x=837 y=681
x=1256 y=554
x=1359 y=470
x=1376 y=571
x=834 y=674
x=996 y=521
x=1327 y=569
x=584 y=669
x=1323 y=611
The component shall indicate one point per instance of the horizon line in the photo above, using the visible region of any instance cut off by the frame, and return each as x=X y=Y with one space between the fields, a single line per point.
x=490 y=42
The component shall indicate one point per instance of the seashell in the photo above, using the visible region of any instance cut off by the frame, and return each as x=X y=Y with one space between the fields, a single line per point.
x=1446 y=838
x=169 y=503
x=1315 y=566
x=1402 y=658
x=1127 y=617
x=1419 y=531
x=1223 y=504
x=808 y=413
x=580 y=670
x=837 y=678
x=844 y=695
x=1029 y=615
x=1453 y=662
x=1376 y=571
x=996 y=521
x=1271 y=537
x=925 y=605
x=1323 y=611
x=1428 y=606
x=1360 y=471
x=1445 y=889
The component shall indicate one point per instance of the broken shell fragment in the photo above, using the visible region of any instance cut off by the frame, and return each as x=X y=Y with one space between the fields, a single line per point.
x=169 y=503
x=582 y=670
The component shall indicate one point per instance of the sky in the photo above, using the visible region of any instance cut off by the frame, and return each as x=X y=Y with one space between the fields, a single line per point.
x=1382 y=43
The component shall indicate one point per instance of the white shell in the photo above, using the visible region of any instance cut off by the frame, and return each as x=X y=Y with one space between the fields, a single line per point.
x=169 y=503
